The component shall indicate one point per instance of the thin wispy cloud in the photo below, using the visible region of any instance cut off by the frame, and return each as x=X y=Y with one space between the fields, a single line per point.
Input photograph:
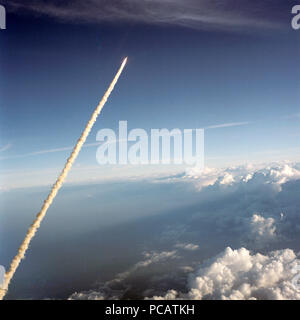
x=54 y=150
x=292 y=116
x=89 y=145
x=6 y=147
x=35 y=153
x=195 y=14
x=228 y=125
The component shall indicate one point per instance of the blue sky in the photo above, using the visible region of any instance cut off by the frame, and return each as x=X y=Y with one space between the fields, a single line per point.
x=55 y=68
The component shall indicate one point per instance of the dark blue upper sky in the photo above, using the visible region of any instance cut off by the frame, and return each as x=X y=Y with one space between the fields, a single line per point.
x=189 y=68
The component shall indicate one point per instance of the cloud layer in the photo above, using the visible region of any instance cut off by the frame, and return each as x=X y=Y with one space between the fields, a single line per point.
x=188 y=13
x=254 y=210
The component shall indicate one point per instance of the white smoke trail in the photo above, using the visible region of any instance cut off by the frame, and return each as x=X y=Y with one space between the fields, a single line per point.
x=40 y=216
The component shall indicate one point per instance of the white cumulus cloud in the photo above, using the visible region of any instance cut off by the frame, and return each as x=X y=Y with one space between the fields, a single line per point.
x=240 y=275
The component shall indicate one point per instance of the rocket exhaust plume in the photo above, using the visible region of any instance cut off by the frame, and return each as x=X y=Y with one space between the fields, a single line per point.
x=60 y=180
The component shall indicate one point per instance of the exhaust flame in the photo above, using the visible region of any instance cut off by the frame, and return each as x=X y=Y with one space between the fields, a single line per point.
x=40 y=216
